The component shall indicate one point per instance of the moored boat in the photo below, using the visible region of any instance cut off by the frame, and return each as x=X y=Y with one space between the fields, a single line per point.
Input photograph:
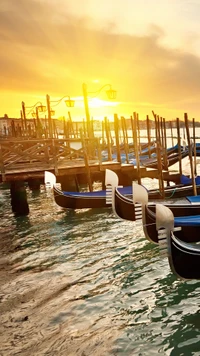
x=97 y=199
x=80 y=200
x=124 y=207
x=183 y=257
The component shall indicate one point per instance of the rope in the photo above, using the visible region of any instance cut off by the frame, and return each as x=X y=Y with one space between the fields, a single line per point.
x=169 y=196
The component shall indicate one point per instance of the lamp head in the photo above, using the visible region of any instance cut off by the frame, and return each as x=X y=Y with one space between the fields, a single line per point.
x=41 y=108
x=70 y=103
x=111 y=93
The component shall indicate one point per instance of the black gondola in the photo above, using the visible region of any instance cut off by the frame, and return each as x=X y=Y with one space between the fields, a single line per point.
x=97 y=199
x=140 y=209
x=124 y=206
x=184 y=258
x=172 y=158
x=80 y=200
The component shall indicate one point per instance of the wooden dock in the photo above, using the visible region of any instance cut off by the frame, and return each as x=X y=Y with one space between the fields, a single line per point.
x=24 y=160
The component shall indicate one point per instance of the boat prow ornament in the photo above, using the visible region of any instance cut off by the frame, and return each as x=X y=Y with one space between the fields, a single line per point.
x=140 y=199
x=49 y=179
x=111 y=182
x=111 y=178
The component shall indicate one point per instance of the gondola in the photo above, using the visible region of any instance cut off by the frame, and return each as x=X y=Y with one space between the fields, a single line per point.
x=97 y=199
x=172 y=158
x=140 y=209
x=187 y=226
x=183 y=257
x=182 y=190
x=149 y=158
x=80 y=200
x=124 y=207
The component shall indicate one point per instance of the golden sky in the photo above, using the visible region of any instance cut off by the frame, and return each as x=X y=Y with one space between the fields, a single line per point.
x=149 y=50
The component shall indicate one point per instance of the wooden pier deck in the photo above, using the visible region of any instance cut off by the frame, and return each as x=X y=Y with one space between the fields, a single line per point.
x=23 y=160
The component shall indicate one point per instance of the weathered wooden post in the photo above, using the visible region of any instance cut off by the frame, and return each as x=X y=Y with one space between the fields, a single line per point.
x=49 y=116
x=194 y=148
x=179 y=145
x=22 y=122
x=149 y=135
x=135 y=140
x=116 y=128
x=172 y=136
x=24 y=115
x=126 y=146
x=138 y=132
x=71 y=127
x=190 y=154
x=87 y=113
x=34 y=184
x=164 y=142
x=86 y=161
x=159 y=159
x=55 y=160
x=19 y=198
x=108 y=139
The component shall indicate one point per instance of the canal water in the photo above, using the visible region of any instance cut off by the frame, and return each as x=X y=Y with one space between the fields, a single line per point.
x=87 y=283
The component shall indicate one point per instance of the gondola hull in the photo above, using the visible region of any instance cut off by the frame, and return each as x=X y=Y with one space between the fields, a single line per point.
x=188 y=233
x=73 y=201
x=184 y=259
x=176 y=191
x=172 y=158
x=125 y=208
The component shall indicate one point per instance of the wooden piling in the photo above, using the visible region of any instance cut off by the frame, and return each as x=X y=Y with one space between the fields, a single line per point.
x=148 y=135
x=34 y=184
x=194 y=148
x=55 y=161
x=87 y=166
x=116 y=128
x=135 y=140
x=19 y=201
x=179 y=145
x=69 y=183
x=190 y=154
x=107 y=131
x=158 y=152
x=164 y=142
x=172 y=136
x=126 y=148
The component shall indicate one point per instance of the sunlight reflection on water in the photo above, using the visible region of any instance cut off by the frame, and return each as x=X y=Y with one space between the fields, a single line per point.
x=87 y=283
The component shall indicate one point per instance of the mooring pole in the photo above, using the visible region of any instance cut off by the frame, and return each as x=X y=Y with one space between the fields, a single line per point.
x=19 y=201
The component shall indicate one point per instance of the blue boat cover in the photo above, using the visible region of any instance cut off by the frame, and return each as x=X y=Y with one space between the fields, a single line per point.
x=186 y=180
x=194 y=199
x=193 y=220
x=99 y=193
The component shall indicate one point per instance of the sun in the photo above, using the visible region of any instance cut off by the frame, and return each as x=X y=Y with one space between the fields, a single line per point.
x=98 y=103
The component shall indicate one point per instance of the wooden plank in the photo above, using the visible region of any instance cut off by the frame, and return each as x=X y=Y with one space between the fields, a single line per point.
x=190 y=154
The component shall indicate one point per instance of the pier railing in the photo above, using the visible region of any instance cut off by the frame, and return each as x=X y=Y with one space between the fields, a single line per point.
x=36 y=154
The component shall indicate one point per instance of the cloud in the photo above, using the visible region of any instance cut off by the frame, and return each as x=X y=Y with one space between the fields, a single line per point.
x=47 y=50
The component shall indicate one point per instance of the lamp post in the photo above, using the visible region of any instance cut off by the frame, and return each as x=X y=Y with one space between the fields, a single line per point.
x=38 y=106
x=110 y=93
x=69 y=103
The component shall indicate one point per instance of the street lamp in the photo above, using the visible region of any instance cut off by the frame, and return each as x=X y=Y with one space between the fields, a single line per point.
x=39 y=108
x=110 y=93
x=69 y=103
x=34 y=113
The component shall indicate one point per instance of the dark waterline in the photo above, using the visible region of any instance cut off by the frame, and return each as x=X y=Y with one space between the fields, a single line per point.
x=86 y=283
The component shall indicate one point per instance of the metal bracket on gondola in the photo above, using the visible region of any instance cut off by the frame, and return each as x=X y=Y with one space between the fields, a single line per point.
x=162 y=242
x=138 y=213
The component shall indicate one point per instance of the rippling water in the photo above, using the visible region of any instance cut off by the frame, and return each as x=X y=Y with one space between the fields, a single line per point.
x=87 y=283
